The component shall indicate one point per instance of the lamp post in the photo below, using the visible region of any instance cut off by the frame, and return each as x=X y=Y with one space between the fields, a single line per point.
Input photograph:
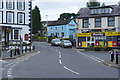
x=47 y=27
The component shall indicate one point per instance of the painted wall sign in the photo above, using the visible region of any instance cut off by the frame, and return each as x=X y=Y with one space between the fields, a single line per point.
x=26 y=37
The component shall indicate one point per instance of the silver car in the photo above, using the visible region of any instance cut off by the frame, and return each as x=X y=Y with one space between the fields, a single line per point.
x=66 y=43
x=55 y=42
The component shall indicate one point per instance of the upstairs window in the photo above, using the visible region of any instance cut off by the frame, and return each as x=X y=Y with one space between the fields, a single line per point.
x=10 y=17
x=99 y=11
x=111 y=21
x=92 y=11
x=85 y=23
x=61 y=28
x=98 y=22
x=1 y=4
x=10 y=4
x=21 y=4
x=106 y=10
x=21 y=18
x=1 y=17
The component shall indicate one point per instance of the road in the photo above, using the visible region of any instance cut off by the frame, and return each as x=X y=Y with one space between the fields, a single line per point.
x=57 y=62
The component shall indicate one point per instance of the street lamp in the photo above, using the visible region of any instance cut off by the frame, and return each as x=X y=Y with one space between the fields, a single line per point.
x=47 y=27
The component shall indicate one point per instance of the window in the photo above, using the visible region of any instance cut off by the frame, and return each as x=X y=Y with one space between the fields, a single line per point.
x=85 y=23
x=96 y=11
x=11 y=34
x=10 y=4
x=62 y=28
x=62 y=34
x=21 y=18
x=10 y=17
x=50 y=29
x=1 y=17
x=88 y=39
x=103 y=11
x=56 y=28
x=98 y=22
x=16 y=34
x=111 y=21
x=106 y=10
x=99 y=11
x=1 y=4
x=21 y=5
x=92 y=11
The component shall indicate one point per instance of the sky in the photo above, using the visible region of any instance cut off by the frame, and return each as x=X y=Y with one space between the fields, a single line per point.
x=53 y=8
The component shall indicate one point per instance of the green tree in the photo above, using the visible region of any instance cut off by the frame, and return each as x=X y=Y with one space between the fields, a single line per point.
x=93 y=3
x=36 y=20
x=103 y=4
x=66 y=16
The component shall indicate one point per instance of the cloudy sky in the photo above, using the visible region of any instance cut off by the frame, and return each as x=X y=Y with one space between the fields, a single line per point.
x=53 y=8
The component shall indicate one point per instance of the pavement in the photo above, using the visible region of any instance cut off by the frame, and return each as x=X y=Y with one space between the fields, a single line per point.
x=57 y=62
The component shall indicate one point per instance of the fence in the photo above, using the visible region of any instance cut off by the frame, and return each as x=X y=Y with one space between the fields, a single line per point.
x=15 y=51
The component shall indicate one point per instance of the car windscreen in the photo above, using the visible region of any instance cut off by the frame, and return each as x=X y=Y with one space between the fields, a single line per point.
x=66 y=41
x=56 y=40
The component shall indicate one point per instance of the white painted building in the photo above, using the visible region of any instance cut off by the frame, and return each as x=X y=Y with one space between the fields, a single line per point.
x=15 y=20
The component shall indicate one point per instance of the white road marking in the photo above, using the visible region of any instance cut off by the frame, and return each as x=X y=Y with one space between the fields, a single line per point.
x=8 y=65
x=71 y=70
x=60 y=53
x=60 y=56
x=9 y=73
x=92 y=57
x=3 y=61
x=60 y=61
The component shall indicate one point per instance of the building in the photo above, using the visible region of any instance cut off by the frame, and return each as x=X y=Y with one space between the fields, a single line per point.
x=98 y=26
x=15 y=21
x=62 y=28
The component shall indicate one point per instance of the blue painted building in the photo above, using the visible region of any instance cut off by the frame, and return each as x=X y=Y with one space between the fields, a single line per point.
x=62 y=28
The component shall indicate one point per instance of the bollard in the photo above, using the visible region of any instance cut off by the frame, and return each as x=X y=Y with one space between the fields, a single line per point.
x=11 y=53
x=117 y=54
x=18 y=51
x=26 y=49
x=29 y=48
x=15 y=52
x=33 y=47
x=112 y=56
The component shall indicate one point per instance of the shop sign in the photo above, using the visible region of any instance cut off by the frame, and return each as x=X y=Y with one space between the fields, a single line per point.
x=95 y=34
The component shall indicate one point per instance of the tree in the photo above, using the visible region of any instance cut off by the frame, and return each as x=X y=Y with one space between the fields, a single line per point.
x=93 y=3
x=64 y=16
x=103 y=4
x=36 y=20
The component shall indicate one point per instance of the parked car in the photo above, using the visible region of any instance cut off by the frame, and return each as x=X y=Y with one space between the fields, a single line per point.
x=55 y=42
x=66 y=43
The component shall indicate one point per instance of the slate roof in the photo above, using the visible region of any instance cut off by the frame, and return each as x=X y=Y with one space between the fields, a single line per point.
x=59 y=22
x=85 y=12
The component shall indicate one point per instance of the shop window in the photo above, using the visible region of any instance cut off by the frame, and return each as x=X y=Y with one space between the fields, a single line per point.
x=88 y=38
x=16 y=34
x=11 y=34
